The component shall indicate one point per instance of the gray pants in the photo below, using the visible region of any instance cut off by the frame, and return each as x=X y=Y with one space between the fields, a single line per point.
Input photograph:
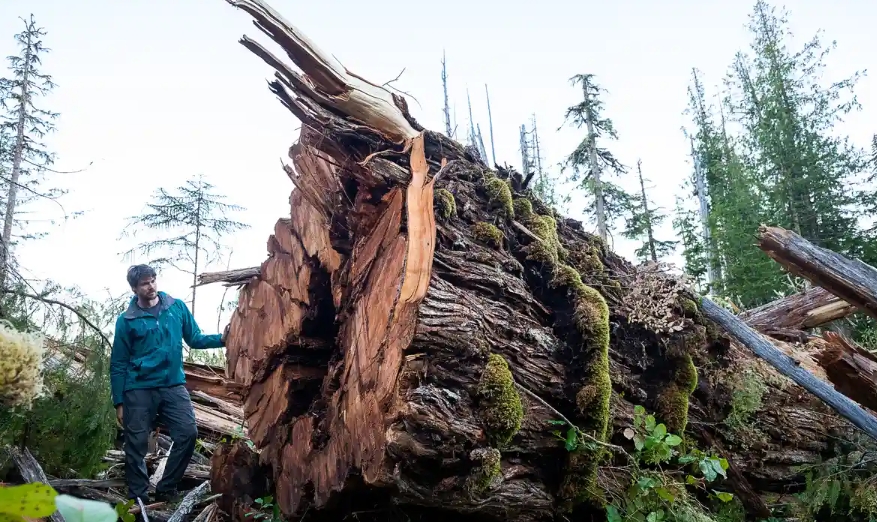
x=171 y=408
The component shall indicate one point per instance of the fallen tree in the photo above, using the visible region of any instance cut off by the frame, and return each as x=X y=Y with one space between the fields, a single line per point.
x=422 y=322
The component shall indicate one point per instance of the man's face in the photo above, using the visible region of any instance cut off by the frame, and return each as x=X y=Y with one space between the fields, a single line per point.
x=146 y=289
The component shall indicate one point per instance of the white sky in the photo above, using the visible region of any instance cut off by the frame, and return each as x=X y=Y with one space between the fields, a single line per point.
x=155 y=91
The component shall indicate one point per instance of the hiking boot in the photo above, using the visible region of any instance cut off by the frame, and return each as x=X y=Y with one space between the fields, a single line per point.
x=168 y=497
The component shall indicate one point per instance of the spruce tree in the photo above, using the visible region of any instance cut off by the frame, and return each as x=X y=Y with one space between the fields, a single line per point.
x=642 y=220
x=24 y=159
x=591 y=164
x=194 y=219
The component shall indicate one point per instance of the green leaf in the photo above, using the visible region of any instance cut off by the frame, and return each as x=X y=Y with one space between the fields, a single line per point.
x=690 y=480
x=673 y=440
x=572 y=439
x=660 y=431
x=612 y=514
x=34 y=500
x=724 y=496
x=664 y=494
x=646 y=483
x=122 y=509
x=638 y=442
x=686 y=459
x=706 y=467
x=639 y=410
x=717 y=466
x=650 y=423
x=81 y=510
x=555 y=422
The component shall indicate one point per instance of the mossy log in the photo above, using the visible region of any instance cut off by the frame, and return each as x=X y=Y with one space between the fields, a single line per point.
x=377 y=344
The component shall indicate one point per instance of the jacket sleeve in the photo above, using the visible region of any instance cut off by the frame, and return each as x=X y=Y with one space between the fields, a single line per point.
x=192 y=334
x=119 y=359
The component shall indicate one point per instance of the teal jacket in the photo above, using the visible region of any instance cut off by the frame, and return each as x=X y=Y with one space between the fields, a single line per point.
x=148 y=350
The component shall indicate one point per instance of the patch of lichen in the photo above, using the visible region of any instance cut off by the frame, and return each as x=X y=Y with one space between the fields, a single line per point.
x=502 y=410
x=445 y=205
x=487 y=473
x=487 y=234
x=499 y=193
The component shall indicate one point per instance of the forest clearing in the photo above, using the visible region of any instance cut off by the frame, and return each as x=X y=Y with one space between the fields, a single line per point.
x=430 y=336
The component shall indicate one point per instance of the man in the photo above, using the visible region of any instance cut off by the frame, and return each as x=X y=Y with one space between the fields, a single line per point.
x=147 y=380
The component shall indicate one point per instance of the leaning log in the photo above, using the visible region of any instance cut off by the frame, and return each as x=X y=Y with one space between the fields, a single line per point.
x=30 y=471
x=411 y=297
x=790 y=368
x=849 y=279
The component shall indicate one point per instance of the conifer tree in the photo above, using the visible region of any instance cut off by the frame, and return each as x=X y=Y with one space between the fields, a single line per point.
x=194 y=219
x=642 y=220
x=592 y=164
x=24 y=159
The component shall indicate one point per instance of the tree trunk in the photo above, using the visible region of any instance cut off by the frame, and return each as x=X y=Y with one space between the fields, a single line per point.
x=371 y=345
x=17 y=158
x=650 y=234
x=595 y=167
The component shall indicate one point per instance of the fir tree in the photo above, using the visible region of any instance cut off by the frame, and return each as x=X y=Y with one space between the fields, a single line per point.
x=24 y=159
x=592 y=164
x=195 y=219
x=641 y=223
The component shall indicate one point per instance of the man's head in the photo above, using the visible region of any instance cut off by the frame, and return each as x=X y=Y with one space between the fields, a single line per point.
x=142 y=281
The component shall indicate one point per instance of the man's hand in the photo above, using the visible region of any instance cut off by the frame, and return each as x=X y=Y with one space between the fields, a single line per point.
x=119 y=416
x=225 y=333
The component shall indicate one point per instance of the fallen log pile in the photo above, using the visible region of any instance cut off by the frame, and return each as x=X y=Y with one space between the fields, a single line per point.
x=219 y=416
x=423 y=320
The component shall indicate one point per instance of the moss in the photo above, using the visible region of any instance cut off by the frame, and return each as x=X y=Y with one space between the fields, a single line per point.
x=502 y=409
x=524 y=209
x=489 y=472
x=549 y=251
x=567 y=276
x=586 y=261
x=747 y=399
x=672 y=403
x=487 y=234
x=445 y=204
x=593 y=398
x=580 y=482
x=500 y=194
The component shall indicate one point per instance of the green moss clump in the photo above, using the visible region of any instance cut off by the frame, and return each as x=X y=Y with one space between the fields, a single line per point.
x=488 y=234
x=567 y=276
x=488 y=472
x=445 y=204
x=672 y=404
x=586 y=261
x=502 y=409
x=592 y=320
x=500 y=194
x=549 y=251
x=524 y=209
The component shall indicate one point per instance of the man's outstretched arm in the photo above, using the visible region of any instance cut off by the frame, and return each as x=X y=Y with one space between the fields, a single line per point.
x=119 y=359
x=193 y=336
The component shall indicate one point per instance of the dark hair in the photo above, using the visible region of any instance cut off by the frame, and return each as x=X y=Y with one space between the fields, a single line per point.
x=137 y=272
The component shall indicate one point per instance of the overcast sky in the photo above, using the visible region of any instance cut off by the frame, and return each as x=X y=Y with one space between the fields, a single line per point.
x=155 y=91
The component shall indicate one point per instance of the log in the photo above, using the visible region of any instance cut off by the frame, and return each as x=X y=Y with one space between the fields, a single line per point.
x=30 y=471
x=851 y=368
x=412 y=295
x=228 y=277
x=189 y=501
x=849 y=279
x=790 y=368
x=808 y=309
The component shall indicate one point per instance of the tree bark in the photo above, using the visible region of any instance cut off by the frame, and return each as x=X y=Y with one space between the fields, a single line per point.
x=363 y=343
x=808 y=309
